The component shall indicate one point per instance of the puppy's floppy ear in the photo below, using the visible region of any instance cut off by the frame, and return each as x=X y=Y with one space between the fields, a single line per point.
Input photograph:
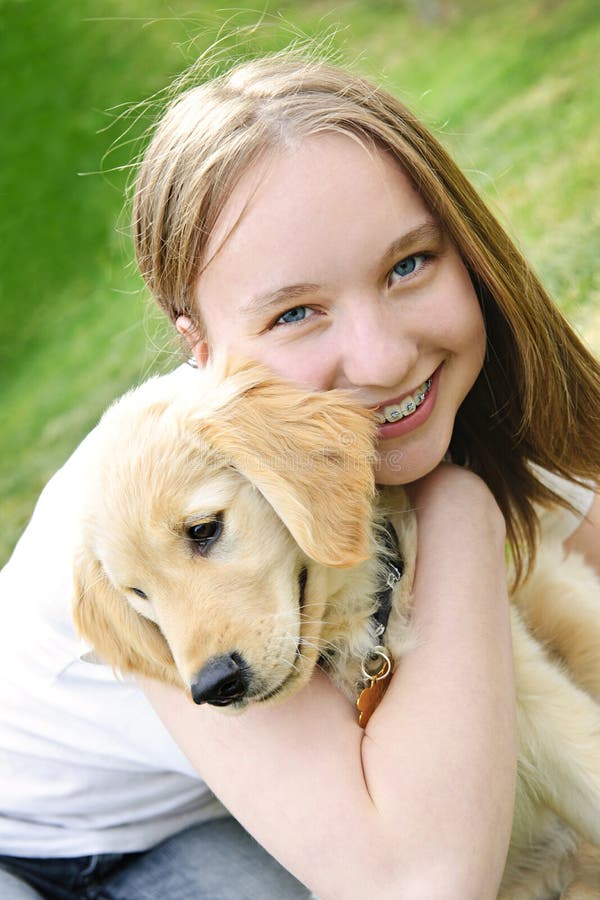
x=120 y=636
x=310 y=455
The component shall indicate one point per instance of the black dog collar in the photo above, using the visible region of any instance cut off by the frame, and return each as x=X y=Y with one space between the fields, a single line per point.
x=393 y=566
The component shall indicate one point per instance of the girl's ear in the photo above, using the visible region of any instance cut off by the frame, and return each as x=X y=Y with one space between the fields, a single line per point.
x=310 y=455
x=197 y=343
x=119 y=635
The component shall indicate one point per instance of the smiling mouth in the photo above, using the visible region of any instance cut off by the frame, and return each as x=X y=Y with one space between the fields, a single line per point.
x=393 y=412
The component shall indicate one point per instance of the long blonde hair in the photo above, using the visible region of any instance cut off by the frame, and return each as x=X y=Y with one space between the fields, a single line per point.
x=537 y=398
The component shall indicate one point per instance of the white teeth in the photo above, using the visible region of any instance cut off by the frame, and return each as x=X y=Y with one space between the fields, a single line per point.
x=396 y=411
x=408 y=405
x=393 y=413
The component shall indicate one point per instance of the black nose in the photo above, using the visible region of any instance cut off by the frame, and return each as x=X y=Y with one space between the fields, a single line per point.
x=221 y=681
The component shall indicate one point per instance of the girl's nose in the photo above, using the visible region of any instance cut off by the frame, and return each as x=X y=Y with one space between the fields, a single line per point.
x=373 y=350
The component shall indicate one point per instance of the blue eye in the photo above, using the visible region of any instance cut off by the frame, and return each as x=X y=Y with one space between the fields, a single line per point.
x=408 y=265
x=405 y=266
x=296 y=314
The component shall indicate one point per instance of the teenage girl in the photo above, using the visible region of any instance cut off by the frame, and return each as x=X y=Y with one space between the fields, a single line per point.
x=300 y=216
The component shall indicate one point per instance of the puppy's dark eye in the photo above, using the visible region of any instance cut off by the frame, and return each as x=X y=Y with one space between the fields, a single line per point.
x=139 y=592
x=203 y=534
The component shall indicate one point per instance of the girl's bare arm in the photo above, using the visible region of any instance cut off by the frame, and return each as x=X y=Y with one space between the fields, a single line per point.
x=420 y=804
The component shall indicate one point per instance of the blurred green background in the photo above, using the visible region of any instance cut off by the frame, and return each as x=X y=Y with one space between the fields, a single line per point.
x=510 y=87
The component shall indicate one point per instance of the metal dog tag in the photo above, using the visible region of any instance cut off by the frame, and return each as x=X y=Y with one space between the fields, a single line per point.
x=370 y=696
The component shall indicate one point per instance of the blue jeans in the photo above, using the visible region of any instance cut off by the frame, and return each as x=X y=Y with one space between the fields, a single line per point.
x=216 y=860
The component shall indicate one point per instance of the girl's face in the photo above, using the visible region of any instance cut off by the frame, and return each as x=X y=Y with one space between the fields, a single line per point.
x=327 y=267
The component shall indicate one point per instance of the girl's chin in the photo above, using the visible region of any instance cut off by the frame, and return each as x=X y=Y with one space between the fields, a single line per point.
x=397 y=466
x=399 y=474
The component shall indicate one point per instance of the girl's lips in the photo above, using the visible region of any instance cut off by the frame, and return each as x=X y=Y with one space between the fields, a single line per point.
x=414 y=420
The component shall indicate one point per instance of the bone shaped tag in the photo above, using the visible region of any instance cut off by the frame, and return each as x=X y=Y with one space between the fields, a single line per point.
x=370 y=696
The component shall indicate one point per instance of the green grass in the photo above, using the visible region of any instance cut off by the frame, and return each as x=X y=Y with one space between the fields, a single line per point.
x=510 y=87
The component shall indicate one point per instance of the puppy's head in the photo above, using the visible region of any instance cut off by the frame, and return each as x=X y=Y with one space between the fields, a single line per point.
x=215 y=508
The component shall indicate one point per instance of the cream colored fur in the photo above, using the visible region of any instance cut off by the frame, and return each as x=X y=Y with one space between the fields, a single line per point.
x=290 y=473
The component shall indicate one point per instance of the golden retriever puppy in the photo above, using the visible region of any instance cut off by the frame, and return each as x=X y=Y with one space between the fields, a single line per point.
x=233 y=540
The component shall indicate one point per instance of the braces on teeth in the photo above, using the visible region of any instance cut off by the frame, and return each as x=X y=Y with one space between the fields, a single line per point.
x=408 y=405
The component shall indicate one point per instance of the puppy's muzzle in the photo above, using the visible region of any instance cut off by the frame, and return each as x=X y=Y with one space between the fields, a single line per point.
x=221 y=681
